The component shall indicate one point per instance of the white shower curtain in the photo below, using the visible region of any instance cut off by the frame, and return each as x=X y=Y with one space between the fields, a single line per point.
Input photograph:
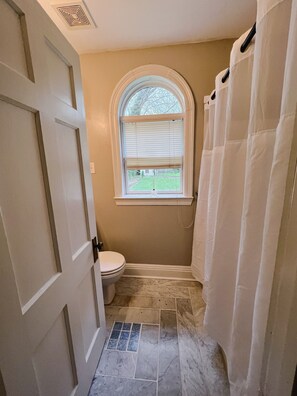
x=260 y=112
x=214 y=129
x=198 y=253
x=219 y=115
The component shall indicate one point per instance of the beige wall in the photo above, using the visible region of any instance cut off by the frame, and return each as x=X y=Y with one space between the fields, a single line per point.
x=152 y=234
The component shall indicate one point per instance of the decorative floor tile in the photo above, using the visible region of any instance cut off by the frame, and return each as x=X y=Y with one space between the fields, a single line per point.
x=112 y=344
x=115 y=334
x=136 y=327
x=122 y=345
x=135 y=335
x=133 y=341
x=118 y=326
x=127 y=326
x=124 y=335
x=132 y=346
x=125 y=340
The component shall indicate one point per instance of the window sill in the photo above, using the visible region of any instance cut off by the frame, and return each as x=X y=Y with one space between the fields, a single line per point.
x=166 y=200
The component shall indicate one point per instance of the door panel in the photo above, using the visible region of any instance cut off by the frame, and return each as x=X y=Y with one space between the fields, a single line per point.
x=73 y=183
x=13 y=35
x=14 y=340
x=53 y=361
x=34 y=263
x=51 y=300
x=61 y=75
x=88 y=311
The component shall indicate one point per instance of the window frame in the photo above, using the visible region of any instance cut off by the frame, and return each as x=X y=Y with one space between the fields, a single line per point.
x=143 y=76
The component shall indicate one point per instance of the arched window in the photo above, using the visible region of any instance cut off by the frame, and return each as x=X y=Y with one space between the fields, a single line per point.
x=152 y=117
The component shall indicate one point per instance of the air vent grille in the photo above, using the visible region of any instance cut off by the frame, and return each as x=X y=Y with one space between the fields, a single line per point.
x=75 y=15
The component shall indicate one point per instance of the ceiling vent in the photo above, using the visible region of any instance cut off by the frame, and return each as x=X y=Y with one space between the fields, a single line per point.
x=74 y=14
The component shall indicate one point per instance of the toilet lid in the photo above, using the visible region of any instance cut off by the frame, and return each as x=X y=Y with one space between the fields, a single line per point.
x=111 y=261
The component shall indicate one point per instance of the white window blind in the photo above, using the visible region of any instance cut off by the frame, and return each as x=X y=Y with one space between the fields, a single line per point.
x=153 y=144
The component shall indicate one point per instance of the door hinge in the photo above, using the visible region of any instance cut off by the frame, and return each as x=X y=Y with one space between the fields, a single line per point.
x=96 y=247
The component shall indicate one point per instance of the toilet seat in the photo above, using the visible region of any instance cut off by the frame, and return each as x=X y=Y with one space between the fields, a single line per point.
x=111 y=262
x=105 y=274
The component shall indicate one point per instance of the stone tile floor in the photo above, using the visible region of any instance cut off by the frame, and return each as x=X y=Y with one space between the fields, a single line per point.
x=172 y=354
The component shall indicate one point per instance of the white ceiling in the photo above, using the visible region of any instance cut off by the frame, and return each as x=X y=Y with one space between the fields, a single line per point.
x=125 y=24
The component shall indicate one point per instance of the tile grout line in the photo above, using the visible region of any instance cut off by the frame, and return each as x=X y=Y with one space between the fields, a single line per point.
x=152 y=294
x=184 y=295
x=150 y=323
x=129 y=378
x=125 y=306
x=156 y=309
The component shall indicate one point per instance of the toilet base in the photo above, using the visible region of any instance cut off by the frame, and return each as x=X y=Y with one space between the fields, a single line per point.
x=108 y=293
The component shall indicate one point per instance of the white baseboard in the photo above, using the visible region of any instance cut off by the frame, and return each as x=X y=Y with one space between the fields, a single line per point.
x=157 y=271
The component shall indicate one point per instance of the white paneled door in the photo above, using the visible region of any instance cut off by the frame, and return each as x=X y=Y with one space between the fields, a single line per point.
x=52 y=325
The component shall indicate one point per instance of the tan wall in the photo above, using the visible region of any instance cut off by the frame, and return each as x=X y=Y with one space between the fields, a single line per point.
x=144 y=234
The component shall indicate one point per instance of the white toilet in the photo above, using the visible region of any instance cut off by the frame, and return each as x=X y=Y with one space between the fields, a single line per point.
x=112 y=267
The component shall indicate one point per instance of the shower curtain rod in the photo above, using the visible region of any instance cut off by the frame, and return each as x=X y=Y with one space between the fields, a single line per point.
x=243 y=48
